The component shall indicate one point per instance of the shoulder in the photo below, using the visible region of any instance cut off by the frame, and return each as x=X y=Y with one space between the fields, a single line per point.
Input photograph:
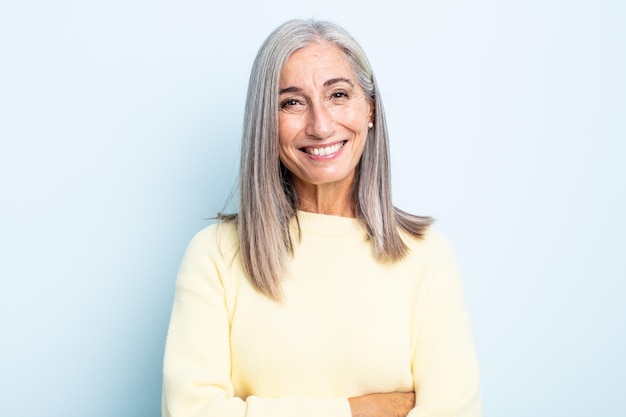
x=433 y=247
x=211 y=255
x=220 y=236
x=431 y=253
x=213 y=244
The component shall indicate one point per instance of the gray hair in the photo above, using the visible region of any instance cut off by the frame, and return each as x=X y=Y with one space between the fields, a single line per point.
x=267 y=198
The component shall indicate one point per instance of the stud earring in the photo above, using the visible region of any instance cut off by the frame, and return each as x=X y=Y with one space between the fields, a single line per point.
x=370 y=125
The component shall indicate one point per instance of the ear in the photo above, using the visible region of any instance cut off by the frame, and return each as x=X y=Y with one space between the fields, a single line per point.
x=370 y=112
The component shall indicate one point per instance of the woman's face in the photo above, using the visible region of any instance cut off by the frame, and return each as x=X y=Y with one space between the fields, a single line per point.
x=324 y=116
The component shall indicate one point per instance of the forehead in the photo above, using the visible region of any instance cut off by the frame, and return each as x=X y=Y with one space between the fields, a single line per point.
x=317 y=59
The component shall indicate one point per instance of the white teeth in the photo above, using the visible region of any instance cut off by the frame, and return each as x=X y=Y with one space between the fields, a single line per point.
x=324 y=151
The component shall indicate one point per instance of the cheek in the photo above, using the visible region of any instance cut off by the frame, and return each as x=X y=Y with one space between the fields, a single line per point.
x=285 y=131
x=355 y=118
x=286 y=150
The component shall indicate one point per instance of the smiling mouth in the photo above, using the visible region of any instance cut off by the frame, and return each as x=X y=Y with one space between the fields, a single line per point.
x=327 y=150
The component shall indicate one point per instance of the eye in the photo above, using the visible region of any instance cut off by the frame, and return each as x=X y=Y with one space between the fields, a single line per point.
x=340 y=95
x=289 y=103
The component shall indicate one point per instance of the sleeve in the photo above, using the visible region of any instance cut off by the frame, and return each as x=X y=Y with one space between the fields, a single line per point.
x=197 y=362
x=445 y=368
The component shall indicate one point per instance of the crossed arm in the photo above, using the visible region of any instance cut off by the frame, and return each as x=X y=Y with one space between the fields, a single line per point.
x=393 y=404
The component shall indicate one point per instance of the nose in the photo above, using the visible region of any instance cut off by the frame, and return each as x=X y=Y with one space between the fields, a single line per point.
x=320 y=123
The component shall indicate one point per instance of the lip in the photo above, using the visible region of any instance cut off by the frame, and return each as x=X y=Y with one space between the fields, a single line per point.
x=324 y=151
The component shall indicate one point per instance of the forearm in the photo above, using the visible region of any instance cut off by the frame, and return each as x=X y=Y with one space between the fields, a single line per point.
x=394 y=404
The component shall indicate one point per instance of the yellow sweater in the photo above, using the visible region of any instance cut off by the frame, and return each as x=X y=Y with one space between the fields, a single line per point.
x=348 y=325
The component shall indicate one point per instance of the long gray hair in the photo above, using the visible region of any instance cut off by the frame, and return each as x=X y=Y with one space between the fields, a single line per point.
x=267 y=197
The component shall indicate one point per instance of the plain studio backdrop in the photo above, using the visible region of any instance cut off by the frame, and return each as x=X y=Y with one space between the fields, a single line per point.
x=120 y=126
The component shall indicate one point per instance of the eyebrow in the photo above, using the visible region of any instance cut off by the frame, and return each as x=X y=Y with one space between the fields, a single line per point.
x=338 y=80
x=290 y=90
x=326 y=84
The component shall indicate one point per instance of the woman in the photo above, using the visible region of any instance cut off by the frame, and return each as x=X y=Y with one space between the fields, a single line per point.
x=319 y=298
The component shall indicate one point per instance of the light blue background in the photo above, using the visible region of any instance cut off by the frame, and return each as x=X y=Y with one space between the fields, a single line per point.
x=120 y=124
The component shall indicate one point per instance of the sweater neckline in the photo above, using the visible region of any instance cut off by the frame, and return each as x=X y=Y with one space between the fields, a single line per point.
x=325 y=224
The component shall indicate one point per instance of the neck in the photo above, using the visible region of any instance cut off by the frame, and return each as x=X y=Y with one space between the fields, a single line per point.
x=332 y=199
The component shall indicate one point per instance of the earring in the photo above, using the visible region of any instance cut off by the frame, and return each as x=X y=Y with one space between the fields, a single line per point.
x=370 y=125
